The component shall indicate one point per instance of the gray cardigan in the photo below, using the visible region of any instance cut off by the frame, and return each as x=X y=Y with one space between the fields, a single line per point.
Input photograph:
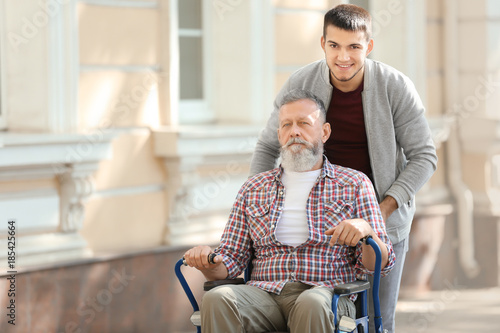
x=402 y=153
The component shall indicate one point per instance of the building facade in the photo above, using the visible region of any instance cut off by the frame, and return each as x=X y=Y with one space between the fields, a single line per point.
x=129 y=125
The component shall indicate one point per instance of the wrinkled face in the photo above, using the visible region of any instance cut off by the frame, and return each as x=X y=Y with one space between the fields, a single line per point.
x=345 y=53
x=302 y=133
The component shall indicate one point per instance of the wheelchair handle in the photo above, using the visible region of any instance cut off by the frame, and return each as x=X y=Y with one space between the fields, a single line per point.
x=376 y=282
x=211 y=259
x=185 y=285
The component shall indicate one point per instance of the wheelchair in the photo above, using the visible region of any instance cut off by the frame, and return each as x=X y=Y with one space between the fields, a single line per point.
x=360 y=325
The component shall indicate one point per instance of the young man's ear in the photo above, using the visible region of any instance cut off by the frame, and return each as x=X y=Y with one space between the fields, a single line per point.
x=369 y=47
x=322 y=41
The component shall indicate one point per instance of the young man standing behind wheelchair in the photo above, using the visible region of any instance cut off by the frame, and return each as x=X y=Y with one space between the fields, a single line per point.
x=379 y=129
x=301 y=225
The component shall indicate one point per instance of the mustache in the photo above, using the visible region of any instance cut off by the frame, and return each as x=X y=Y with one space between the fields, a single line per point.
x=297 y=140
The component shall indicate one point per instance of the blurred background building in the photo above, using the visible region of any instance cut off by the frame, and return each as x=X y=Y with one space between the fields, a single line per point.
x=128 y=127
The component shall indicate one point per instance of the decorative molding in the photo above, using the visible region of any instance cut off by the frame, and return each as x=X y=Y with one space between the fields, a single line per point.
x=206 y=166
x=50 y=218
x=40 y=151
x=76 y=186
x=42 y=215
x=47 y=248
x=123 y=191
x=26 y=173
x=197 y=141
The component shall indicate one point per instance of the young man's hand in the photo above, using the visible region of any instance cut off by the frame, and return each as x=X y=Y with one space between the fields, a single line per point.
x=350 y=232
x=387 y=207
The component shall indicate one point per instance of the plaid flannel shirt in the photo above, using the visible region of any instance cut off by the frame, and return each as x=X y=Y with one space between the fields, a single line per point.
x=339 y=194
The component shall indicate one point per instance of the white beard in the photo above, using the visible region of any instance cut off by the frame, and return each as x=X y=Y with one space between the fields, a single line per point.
x=300 y=159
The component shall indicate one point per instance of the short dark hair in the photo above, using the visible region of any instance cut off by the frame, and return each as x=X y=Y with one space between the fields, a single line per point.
x=298 y=94
x=349 y=17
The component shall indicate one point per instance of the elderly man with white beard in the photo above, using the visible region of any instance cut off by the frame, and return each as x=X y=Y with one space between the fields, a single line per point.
x=300 y=225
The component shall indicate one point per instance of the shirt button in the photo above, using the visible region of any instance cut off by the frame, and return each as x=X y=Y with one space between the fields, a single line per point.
x=293 y=276
x=281 y=192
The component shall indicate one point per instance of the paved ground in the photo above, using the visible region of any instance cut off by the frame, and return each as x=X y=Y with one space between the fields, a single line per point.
x=450 y=310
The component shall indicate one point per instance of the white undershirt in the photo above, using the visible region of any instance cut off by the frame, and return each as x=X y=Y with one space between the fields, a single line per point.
x=292 y=227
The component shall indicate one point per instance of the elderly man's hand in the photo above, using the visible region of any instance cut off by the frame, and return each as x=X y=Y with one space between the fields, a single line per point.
x=197 y=257
x=349 y=232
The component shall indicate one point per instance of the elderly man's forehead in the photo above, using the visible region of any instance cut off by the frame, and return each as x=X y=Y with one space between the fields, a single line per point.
x=301 y=109
x=301 y=100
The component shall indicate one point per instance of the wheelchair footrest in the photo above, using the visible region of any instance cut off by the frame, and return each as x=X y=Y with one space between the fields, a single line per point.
x=196 y=318
x=347 y=324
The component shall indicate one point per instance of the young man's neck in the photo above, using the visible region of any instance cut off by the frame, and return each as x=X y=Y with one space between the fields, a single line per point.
x=347 y=86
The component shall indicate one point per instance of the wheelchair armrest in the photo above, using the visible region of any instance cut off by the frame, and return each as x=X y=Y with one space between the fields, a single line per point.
x=212 y=284
x=352 y=287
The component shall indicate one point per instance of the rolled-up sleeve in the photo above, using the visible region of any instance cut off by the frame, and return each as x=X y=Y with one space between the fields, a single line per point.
x=235 y=244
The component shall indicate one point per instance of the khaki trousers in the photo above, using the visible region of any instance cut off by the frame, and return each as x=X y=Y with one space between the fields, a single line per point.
x=299 y=308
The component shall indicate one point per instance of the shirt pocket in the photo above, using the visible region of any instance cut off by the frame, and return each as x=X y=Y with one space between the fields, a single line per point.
x=336 y=212
x=258 y=220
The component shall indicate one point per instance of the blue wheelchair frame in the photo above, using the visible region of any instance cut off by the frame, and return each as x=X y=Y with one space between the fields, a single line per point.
x=356 y=287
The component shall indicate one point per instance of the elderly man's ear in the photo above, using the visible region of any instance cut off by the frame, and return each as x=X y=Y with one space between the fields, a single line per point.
x=327 y=130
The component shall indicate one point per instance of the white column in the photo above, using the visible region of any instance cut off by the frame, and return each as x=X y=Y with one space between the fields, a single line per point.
x=477 y=108
x=400 y=38
x=41 y=56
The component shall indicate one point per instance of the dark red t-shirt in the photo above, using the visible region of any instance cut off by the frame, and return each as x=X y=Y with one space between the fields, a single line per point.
x=348 y=144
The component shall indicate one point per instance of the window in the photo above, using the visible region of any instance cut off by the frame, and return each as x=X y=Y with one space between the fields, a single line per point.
x=220 y=62
x=193 y=57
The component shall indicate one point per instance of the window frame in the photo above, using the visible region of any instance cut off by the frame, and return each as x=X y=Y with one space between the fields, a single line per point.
x=192 y=111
